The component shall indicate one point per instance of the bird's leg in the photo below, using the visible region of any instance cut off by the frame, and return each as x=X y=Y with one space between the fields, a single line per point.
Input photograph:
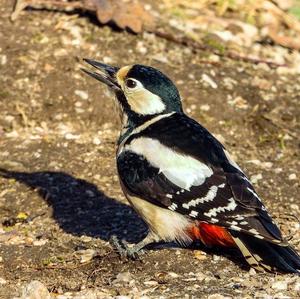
x=134 y=251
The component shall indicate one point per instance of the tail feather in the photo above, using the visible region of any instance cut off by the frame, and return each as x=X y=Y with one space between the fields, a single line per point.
x=264 y=255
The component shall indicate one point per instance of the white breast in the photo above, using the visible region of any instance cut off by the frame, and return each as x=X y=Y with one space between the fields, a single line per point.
x=166 y=224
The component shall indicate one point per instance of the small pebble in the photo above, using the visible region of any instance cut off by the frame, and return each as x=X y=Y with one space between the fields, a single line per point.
x=107 y=60
x=216 y=258
x=123 y=277
x=70 y=136
x=238 y=102
x=86 y=255
x=86 y=239
x=3 y=59
x=255 y=178
x=201 y=277
x=279 y=285
x=151 y=283
x=2 y=281
x=297 y=286
x=200 y=255
x=207 y=79
x=82 y=94
x=96 y=141
x=205 y=107
x=35 y=290
x=39 y=242
x=292 y=177
x=278 y=170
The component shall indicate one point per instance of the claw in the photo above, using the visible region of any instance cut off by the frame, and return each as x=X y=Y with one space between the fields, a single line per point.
x=117 y=245
x=124 y=249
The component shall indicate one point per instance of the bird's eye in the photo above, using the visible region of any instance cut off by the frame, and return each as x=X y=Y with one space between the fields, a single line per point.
x=130 y=83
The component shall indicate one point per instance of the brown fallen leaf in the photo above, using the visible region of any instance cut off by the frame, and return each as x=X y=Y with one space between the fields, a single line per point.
x=283 y=40
x=125 y=15
x=130 y=15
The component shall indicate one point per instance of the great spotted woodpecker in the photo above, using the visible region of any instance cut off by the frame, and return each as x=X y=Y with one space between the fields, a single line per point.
x=180 y=179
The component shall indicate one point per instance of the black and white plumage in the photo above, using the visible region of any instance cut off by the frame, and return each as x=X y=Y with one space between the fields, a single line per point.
x=180 y=178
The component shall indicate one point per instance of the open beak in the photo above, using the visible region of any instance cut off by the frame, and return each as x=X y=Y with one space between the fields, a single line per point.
x=105 y=73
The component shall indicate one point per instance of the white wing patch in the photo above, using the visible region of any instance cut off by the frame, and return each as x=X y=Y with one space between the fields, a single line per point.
x=211 y=194
x=230 y=207
x=181 y=170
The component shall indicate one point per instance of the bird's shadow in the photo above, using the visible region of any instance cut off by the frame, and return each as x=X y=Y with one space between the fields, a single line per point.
x=80 y=208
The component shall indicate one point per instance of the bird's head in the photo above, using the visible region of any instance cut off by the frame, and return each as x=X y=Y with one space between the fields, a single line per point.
x=142 y=91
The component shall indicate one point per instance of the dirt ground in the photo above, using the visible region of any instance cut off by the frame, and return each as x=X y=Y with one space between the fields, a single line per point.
x=60 y=200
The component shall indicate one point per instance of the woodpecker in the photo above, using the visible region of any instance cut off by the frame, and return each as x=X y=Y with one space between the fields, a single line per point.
x=180 y=179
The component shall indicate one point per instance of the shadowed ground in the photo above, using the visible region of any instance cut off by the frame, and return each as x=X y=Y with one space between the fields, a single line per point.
x=80 y=208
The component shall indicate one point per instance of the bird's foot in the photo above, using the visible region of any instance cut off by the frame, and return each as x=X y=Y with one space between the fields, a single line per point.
x=125 y=250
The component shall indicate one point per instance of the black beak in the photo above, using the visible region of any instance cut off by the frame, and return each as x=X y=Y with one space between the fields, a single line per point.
x=106 y=73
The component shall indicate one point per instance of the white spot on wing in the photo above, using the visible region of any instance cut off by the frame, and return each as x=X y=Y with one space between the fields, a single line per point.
x=243 y=223
x=253 y=231
x=173 y=206
x=239 y=217
x=211 y=194
x=230 y=207
x=232 y=223
x=234 y=227
x=194 y=214
x=183 y=171
x=214 y=220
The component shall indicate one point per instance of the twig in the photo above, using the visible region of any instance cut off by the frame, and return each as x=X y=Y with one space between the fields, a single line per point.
x=197 y=46
x=279 y=126
x=271 y=64
x=48 y=4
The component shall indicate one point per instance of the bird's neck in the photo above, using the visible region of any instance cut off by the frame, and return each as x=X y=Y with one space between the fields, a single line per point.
x=131 y=122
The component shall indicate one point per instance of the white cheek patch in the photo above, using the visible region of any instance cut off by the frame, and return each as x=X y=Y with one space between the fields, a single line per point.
x=183 y=171
x=144 y=102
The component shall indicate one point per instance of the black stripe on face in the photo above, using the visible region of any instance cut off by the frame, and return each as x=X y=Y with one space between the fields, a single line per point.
x=134 y=119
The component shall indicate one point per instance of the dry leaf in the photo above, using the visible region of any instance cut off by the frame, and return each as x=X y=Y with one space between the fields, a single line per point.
x=131 y=15
x=125 y=15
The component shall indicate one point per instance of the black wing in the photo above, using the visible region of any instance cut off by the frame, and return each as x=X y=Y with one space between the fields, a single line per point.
x=225 y=198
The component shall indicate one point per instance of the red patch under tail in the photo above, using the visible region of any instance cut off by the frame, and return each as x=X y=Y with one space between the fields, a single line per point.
x=210 y=234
